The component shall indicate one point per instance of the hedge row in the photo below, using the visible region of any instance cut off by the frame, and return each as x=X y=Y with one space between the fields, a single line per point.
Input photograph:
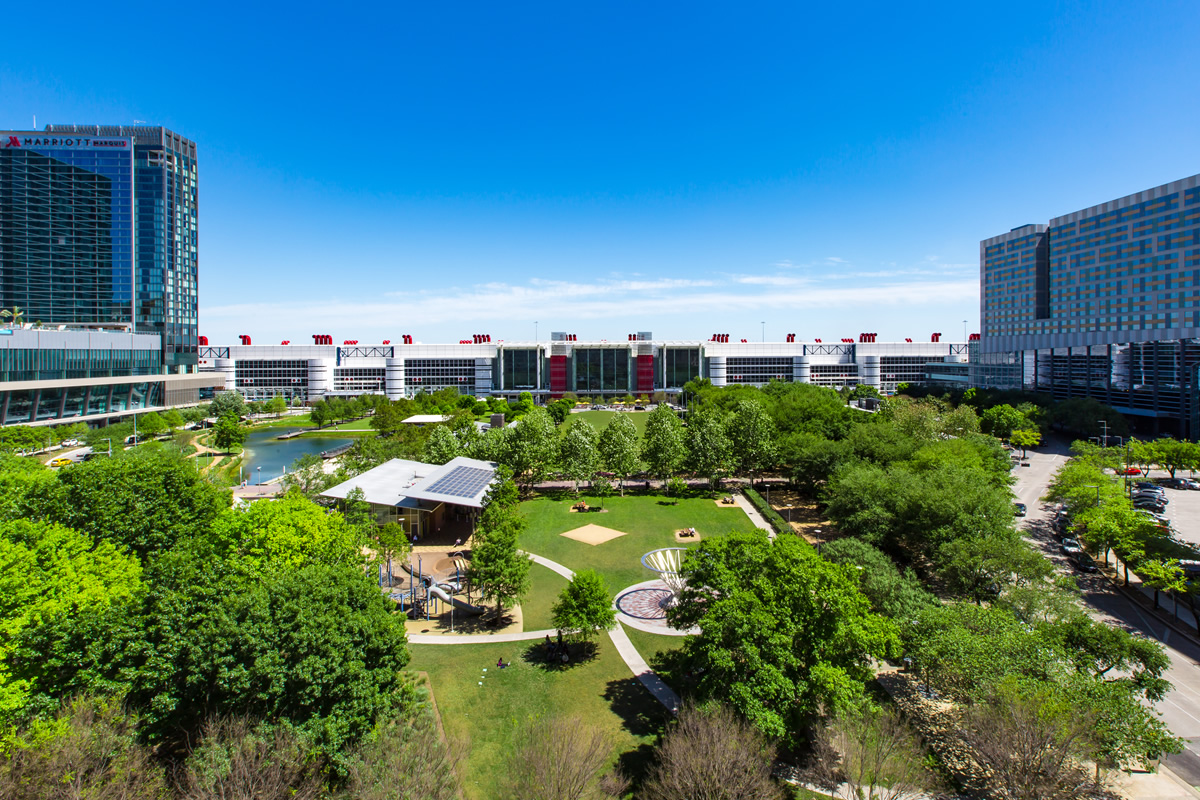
x=777 y=522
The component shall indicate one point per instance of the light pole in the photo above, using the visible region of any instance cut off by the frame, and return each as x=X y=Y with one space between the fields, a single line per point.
x=260 y=479
x=1104 y=423
x=964 y=330
x=764 y=330
x=535 y=330
x=109 y=440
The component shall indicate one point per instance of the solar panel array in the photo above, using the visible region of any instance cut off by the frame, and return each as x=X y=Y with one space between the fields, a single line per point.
x=461 y=482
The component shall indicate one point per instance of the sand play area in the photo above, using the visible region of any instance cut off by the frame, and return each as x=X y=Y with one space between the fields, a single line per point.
x=593 y=534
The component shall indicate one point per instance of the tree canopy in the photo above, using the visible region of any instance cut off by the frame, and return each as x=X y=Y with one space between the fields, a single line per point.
x=783 y=632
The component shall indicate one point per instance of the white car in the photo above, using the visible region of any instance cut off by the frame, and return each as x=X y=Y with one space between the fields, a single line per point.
x=70 y=443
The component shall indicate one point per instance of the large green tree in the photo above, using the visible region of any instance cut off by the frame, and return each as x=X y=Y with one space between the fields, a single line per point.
x=227 y=403
x=441 y=447
x=531 y=448
x=584 y=606
x=709 y=452
x=577 y=452
x=618 y=448
x=1000 y=421
x=145 y=499
x=51 y=572
x=1174 y=455
x=287 y=533
x=314 y=647
x=751 y=434
x=783 y=632
x=663 y=447
x=498 y=567
x=228 y=433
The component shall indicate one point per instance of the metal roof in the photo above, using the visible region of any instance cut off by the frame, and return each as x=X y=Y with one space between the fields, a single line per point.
x=404 y=484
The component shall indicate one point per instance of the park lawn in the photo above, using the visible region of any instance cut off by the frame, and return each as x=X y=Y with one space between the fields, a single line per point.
x=601 y=693
x=649 y=522
x=600 y=419
x=285 y=421
x=363 y=424
x=544 y=587
x=650 y=644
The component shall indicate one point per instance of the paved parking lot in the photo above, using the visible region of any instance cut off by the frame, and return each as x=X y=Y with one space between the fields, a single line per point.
x=1183 y=511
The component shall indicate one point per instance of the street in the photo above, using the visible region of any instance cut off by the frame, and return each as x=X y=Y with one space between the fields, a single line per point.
x=1181 y=707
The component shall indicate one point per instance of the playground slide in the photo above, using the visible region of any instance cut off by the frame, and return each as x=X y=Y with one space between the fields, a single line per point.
x=461 y=605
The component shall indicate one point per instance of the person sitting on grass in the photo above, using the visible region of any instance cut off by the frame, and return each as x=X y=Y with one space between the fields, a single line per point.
x=500 y=663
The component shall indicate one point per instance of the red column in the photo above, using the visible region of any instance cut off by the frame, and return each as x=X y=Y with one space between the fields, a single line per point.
x=645 y=374
x=558 y=375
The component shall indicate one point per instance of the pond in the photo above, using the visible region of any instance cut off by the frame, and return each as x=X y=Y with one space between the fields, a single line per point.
x=264 y=449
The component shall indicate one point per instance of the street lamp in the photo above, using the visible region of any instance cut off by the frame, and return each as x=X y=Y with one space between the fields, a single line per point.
x=1097 y=488
x=1104 y=423
x=260 y=479
x=109 y=440
x=764 y=330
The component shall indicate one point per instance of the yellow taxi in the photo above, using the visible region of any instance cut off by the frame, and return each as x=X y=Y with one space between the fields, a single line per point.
x=61 y=462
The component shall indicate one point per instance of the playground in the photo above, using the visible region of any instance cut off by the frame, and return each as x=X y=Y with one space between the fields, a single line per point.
x=480 y=702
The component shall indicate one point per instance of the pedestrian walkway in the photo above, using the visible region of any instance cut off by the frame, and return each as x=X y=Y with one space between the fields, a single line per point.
x=752 y=512
x=637 y=665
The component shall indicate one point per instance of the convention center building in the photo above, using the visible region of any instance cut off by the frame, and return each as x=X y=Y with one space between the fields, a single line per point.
x=638 y=365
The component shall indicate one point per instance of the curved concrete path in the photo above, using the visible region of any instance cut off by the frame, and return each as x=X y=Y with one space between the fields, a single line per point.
x=637 y=665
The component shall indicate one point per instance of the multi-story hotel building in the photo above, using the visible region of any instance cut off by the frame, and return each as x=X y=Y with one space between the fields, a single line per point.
x=98 y=227
x=98 y=250
x=1103 y=303
x=638 y=365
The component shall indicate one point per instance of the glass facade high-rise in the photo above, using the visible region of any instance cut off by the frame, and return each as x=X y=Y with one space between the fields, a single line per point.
x=66 y=227
x=98 y=225
x=1103 y=302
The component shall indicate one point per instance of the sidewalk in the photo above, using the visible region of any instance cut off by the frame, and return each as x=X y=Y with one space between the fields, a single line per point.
x=758 y=519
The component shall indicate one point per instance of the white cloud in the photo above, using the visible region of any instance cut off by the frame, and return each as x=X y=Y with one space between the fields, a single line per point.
x=511 y=305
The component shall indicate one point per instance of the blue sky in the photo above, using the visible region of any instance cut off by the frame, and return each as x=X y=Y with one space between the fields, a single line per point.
x=685 y=168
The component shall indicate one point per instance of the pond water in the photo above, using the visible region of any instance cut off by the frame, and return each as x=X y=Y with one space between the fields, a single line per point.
x=263 y=449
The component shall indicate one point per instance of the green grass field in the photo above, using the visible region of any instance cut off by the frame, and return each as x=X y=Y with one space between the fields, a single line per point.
x=544 y=587
x=648 y=521
x=601 y=693
x=600 y=419
x=285 y=421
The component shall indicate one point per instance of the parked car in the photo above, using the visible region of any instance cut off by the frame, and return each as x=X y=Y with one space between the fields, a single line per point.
x=1129 y=471
x=61 y=462
x=1084 y=562
x=1146 y=493
x=1019 y=509
x=71 y=443
x=1150 y=504
x=1151 y=514
x=1188 y=483
x=1172 y=483
x=1071 y=546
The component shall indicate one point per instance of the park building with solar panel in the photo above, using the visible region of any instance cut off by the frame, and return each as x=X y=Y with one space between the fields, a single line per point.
x=436 y=504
